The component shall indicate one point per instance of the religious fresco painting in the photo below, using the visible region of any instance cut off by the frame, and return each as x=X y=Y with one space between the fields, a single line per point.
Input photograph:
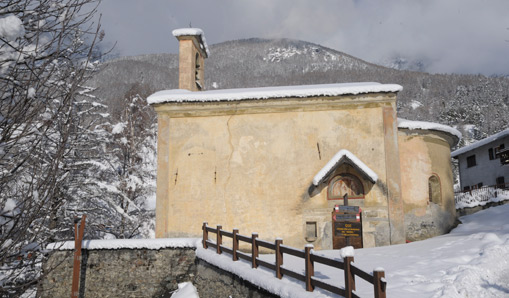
x=345 y=184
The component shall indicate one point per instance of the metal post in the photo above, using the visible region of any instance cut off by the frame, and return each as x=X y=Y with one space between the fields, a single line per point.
x=78 y=238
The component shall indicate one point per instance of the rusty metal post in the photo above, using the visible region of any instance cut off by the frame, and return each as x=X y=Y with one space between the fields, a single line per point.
x=235 y=245
x=279 y=258
x=219 y=239
x=349 y=277
x=78 y=238
x=379 y=283
x=309 y=267
x=254 y=250
x=205 y=235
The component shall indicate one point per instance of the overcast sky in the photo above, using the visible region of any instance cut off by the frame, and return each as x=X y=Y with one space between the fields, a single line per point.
x=462 y=36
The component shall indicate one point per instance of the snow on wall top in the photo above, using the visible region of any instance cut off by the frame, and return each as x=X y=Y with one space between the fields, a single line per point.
x=403 y=123
x=180 y=95
x=482 y=142
x=193 y=32
x=342 y=156
x=158 y=243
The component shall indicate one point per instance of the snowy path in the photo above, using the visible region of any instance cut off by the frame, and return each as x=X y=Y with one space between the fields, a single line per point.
x=471 y=261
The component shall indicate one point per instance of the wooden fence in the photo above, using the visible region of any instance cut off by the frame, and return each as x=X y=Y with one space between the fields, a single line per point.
x=377 y=278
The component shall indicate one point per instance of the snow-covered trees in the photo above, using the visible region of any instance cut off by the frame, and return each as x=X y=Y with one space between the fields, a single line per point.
x=45 y=54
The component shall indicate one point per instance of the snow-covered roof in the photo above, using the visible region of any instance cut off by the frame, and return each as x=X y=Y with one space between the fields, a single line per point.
x=482 y=142
x=344 y=156
x=158 y=243
x=180 y=95
x=193 y=32
x=422 y=125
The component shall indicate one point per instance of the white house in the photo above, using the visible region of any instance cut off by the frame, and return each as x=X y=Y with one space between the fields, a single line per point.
x=480 y=164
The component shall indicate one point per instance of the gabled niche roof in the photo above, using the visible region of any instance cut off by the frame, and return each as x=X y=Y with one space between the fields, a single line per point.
x=344 y=156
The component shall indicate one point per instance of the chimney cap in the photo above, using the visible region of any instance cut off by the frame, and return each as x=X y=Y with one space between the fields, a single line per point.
x=198 y=33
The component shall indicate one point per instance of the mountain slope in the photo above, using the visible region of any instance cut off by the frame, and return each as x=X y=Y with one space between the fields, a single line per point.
x=446 y=98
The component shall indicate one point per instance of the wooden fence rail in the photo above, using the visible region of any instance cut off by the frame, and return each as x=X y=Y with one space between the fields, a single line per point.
x=377 y=278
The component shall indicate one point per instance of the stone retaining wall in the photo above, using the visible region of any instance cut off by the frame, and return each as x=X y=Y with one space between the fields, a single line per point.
x=120 y=272
x=141 y=273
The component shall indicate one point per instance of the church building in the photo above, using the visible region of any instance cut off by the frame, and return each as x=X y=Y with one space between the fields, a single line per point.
x=279 y=161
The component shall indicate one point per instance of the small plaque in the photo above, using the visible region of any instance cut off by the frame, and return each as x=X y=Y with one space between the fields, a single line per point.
x=343 y=229
x=350 y=209
x=347 y=217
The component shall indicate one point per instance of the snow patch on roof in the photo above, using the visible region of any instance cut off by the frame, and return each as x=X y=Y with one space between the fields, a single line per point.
x=340 y=157
x=158 y=243
x=193 y=32
x=180 y=95
x=409 y=124
x=482 y=142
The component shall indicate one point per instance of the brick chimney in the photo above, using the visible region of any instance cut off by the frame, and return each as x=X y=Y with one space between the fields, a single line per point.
x=192 y=52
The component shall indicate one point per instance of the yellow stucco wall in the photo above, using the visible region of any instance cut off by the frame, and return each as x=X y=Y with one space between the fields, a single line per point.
x=249 y=165
x=423 y=154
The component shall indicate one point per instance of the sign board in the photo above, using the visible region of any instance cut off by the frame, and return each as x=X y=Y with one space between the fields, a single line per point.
x=347 y=229
x=345 y=217
x=349 y=209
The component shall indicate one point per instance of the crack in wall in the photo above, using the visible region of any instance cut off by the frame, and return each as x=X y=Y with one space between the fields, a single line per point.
x=229 y=161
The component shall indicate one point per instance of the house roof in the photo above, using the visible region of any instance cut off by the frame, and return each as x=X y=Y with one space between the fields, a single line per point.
x=344 y=156
x=480 y=143
x=180 y=95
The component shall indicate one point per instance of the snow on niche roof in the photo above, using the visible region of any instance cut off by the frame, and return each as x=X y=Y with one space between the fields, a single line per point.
x=409 y=124
x=480 y=143
x=180 y=95
x=128 y=244
x=344 y=156
x=195 y=32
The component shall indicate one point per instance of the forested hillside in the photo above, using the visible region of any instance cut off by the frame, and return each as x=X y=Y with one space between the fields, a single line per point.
x=476 y=104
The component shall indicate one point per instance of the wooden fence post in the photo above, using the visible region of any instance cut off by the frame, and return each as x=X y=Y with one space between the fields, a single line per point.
x=279 y=257
x=254 y=250
x=310 y=270
x=349 y=277
x=78 y=238
x=219 y=239
x=379 y=283
x=235 y=245
x=205 y=234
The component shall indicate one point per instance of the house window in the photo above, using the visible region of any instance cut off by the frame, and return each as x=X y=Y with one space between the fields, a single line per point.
x=498 y=149
x=471 y=161
x=435 y=193
x=490 y=153
x=311 y=231
x=345 y=184
x=500 y=182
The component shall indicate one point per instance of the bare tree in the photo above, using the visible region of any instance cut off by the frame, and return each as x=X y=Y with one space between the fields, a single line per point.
x=45 y=54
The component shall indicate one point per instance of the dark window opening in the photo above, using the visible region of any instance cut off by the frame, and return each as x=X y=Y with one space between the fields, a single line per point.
x=490 y=153
x=434 y=190
x=471 y=161
x=500 y=182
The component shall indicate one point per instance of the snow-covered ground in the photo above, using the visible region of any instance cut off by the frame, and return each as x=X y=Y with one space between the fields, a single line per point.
x=471 y=261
